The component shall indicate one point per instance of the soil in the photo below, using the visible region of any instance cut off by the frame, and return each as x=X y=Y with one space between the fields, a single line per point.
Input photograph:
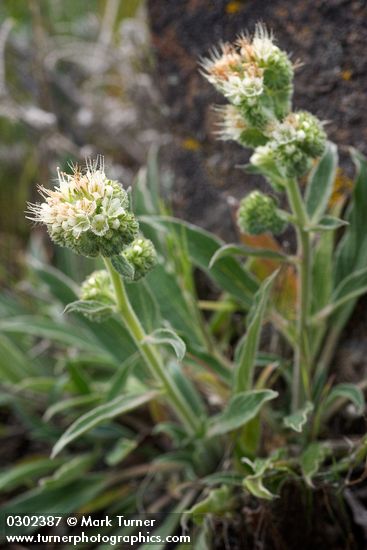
x=329 y=37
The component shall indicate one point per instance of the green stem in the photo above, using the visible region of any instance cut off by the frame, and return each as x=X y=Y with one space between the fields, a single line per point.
x=301 y=367
x=149 y=354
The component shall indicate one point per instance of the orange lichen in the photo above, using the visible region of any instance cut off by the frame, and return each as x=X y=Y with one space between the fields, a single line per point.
x=234 y=7
x=341 y=189
x=346 y=75
x=191 y=144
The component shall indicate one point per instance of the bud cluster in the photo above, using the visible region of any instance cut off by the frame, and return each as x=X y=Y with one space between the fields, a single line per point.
x=87 y=212
x=292 y=145
x=141 y=254
x=98 y=287
x=258 y=213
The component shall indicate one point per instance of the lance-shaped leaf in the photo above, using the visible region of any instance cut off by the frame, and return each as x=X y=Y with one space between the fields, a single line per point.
x=242 y=408
x=352 y=249
x=25 y=472
x=246 y=353
x=123 y=267
x=73 y=469
x=71 y=403
x=41 y=327
x=254 y=483
x=321 y=181
x=298 y=419
x=343 y=393
x=353 y=286
x=102 y=413
x=219 y=501
x=327 y=223
x=243 y=250
x=312 y=459
x=92 y=309
x=168 y=337
x=120 y=451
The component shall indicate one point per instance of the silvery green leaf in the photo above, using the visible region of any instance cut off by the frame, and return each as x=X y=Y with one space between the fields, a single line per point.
x=255 y=486
x=298 y=419
x=90 y=308
x=327 y=223
x=243 y=250
x=248 y=346
x=168 y=337
x=347 y=392
x=242 y=408
x=311 y=460
x=321 y=182
x=123 y=267
x=100 y=414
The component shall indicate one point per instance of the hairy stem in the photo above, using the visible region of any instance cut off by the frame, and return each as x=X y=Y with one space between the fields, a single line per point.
x=149 y=353
x=301 y=371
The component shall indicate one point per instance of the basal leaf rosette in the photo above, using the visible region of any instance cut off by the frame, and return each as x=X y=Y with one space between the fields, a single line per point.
x=87 y=212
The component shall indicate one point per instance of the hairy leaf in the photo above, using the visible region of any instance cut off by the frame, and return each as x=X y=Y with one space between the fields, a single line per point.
x=168 y=337
x=246 y=355
x=123 y=267
x=243 y=250
x=298 y=419
x=320 y=184
x=85 y=423
x=242 y=408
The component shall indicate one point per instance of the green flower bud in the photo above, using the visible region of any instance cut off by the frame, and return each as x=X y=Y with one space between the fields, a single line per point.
x=97 y=287
x=87 y=212
x=257 y=114
x=96 y=297
x=265 y=160
x=314 y=141
x=141 y=254
x=258 y=213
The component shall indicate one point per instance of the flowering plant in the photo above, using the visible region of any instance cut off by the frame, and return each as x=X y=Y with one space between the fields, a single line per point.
x=240 y=421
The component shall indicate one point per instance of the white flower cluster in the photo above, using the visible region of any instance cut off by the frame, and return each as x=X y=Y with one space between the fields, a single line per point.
x=254 y=75
x=232 y=71
x=87 y=212
x=231 y=124
x=291 y=146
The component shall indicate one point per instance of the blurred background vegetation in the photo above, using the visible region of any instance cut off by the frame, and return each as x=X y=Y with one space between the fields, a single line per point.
x=68 y=71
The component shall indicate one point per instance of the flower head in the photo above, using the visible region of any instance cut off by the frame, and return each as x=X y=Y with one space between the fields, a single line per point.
x=87 y=212
x=253 y=74
x=292 y=145
x=258 y=213
x=142 y=255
